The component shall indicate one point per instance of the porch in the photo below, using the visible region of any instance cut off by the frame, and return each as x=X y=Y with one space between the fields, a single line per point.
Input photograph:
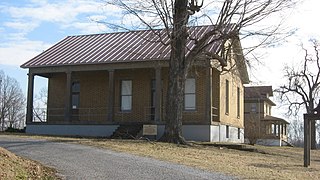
x=117 y=96
x=274 y=131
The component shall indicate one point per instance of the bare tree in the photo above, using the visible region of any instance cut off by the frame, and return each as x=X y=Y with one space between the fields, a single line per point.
x=252 y=131
x=40 y=105
x=302 y=88
x=235 y=17
x=295 y=133
x=12 y=102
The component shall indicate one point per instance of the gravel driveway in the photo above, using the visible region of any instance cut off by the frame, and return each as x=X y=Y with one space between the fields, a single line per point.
x=74 y=161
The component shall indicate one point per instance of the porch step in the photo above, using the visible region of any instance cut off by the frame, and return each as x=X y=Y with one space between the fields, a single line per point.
x=127 y=132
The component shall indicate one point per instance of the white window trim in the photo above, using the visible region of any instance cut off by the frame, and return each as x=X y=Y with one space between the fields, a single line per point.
x=190 y=93
x=126 y=95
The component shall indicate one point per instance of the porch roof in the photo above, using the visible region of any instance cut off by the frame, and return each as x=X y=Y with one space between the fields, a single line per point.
x=132 y=46
x=272 y=118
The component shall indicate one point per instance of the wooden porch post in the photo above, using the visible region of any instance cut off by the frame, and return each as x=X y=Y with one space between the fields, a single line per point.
x=30 y=98
x=285 y=129
x=111 y=95
x=209 y=95
x=158 y=93
x=68 y=101
x=279 y=130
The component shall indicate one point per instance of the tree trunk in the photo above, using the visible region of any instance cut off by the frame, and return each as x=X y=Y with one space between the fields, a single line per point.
x=178 y=69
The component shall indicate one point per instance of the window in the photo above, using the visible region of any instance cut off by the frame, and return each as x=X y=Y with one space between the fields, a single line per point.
x=227 y=97
x=75 y=95
x=266 y=109
x=238 y=102
x=269 y=110
x=190 y=94
x=227 y=131
x=126 y=95
x=253 y=107
x=239 y=133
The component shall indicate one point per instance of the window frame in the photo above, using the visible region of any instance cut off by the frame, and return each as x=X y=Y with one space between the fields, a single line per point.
x=227 y=132
x=75 y=92
x=190 y=94
x=253 y=107
x=122 y=109
x=227 y=98
x=238 y=102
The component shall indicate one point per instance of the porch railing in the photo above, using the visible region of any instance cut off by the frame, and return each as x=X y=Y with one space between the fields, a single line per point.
x=149 y=113
x=58 y=114
x=101 y=114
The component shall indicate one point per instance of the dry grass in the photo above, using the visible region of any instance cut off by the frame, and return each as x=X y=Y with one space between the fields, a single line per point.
x=268 y=163
x=273 y=163
x=14 y=167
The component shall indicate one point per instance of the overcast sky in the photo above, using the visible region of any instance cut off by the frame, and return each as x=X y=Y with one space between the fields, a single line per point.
x=28 y=27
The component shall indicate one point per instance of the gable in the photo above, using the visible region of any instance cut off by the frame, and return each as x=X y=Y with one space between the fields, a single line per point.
x=235 y=65
x=240 y=61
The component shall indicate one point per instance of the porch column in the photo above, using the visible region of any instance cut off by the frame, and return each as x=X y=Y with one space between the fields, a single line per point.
x=68 y=104
x=285 y=129
x=111 y=95
x=158 y=93
x=209 y=95
x=279 y=129
x=30 y=98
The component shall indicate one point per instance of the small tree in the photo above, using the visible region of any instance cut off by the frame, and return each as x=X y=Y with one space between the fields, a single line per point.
x=234 y=17
x=252 y=131
x=302 y=88
x=12 y=102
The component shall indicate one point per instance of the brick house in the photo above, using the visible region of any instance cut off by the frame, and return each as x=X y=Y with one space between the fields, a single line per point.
x=101 y=82
x=260 y=126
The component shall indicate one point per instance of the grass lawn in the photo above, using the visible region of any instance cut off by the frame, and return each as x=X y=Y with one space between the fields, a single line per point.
x=14 y=167
x=267 y=163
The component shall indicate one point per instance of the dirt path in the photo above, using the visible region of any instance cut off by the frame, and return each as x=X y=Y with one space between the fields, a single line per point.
x=74 y=161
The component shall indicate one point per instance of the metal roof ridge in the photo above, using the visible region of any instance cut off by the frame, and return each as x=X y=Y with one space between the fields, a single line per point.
x=132 y=31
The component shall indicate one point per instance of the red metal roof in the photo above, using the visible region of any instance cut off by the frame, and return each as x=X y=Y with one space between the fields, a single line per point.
x=130 y=46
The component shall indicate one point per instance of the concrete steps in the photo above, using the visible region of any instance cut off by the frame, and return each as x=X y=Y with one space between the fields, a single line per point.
x=127 y=132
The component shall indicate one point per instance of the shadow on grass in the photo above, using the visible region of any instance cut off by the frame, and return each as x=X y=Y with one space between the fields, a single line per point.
x=283 y=167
